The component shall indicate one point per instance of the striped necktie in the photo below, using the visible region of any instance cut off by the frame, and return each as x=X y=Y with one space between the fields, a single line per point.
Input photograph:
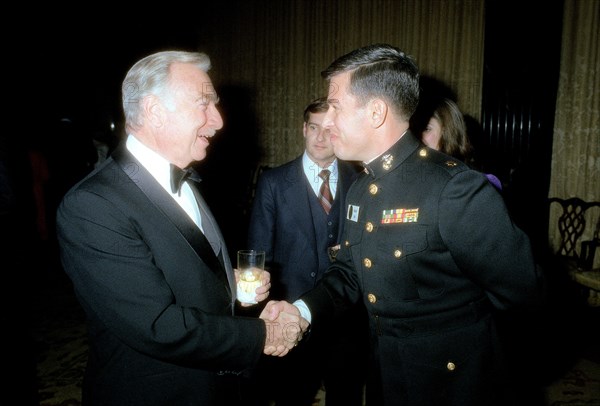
x=325 y=197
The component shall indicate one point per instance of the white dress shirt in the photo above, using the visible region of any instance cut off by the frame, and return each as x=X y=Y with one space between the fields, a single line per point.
x=312 y=170
x=160 y=169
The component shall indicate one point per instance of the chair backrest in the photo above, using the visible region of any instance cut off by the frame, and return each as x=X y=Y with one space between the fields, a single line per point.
x=571 y=223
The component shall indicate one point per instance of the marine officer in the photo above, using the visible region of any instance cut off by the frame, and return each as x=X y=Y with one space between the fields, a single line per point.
x=428 y=246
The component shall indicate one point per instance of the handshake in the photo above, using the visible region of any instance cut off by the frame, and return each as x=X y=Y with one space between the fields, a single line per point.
x=285 y=327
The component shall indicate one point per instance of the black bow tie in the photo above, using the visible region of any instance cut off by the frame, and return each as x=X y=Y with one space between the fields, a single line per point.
x=178 y=176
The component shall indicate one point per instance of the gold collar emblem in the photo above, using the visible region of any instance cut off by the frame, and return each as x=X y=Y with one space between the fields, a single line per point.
x=387 y=161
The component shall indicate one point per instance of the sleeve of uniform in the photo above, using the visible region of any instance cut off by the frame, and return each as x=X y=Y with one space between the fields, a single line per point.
x=336 y=292
x=484 y=242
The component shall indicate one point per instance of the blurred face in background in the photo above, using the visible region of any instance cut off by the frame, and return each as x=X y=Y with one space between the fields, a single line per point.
x=317 y=141
x=432 y=134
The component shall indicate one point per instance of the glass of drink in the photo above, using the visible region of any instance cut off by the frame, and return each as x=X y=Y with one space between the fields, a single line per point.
x=251 y=264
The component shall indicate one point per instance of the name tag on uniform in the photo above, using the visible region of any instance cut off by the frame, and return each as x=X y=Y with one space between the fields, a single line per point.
x=352 y=214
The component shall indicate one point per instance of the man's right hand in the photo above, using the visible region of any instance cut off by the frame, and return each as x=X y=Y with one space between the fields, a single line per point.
x=285 y=327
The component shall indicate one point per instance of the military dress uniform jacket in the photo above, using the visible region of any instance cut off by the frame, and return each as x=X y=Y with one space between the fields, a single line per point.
x=429 y=247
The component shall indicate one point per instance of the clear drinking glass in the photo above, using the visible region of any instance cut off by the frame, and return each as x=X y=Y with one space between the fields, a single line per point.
x=251 y=264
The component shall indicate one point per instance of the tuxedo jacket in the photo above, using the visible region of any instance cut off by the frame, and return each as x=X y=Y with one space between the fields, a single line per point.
x=157 y=299
x=282 y=225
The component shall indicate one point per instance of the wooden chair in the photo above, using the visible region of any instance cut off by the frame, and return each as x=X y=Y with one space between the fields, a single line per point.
x=571 y=225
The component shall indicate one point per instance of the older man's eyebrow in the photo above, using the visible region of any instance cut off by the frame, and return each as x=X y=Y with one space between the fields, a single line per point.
x=209 y=97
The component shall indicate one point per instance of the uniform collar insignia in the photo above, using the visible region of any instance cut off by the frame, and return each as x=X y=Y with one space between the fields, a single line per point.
x=387 y=160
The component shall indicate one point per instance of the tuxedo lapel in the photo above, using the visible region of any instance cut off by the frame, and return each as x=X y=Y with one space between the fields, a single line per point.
x=172 y=211
x=208 y=220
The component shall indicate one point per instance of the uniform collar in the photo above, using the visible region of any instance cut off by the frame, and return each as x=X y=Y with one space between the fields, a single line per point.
x=393 y=157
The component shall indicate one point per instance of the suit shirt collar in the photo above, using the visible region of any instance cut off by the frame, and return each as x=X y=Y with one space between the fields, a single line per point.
x=311 y=171
x=160 y=169
x=158 y=166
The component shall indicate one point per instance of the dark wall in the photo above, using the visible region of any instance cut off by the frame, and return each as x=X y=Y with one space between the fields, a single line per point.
x=521 y=72
x=522 y=49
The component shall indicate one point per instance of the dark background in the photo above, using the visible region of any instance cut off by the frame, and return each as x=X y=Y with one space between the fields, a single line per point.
x=82 y=62
x=69 y=70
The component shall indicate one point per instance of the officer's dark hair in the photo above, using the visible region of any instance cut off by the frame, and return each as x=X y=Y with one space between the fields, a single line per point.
x=380 y=70
x=319 y=105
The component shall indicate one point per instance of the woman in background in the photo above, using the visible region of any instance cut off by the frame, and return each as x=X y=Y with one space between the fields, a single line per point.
x=446 y=131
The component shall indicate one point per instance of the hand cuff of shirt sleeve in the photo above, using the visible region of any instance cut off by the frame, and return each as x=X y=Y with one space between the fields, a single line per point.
x=303 y=308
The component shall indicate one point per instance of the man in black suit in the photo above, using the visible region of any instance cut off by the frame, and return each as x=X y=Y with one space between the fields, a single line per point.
x=299 y=236
x=428 y=247
x=147 y=261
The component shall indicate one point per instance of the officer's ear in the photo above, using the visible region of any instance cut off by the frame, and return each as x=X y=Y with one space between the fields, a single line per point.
x=377 y=111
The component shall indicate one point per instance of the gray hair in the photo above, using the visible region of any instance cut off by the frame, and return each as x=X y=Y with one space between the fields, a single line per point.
x=150 y=76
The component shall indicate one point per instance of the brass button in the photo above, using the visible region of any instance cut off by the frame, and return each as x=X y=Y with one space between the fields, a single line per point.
x=451 y=164
x=373 y=189
x=423 y=152
x=451 y=366
x=372 y=298
x=397 y=253
x=346 y=243
x=369 y=226
x=367 y=262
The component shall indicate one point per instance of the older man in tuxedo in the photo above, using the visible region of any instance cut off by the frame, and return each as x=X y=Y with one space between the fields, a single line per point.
x=148 y=262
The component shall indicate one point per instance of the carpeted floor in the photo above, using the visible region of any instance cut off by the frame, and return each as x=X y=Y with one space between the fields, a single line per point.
x=62 y=344
x=579 y=387
x=60 y=340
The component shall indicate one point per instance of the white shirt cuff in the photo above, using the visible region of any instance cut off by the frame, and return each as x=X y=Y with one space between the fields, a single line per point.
x=303 y=308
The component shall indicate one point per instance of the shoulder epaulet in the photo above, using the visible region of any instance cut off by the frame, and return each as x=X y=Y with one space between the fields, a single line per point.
x=444 y=161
